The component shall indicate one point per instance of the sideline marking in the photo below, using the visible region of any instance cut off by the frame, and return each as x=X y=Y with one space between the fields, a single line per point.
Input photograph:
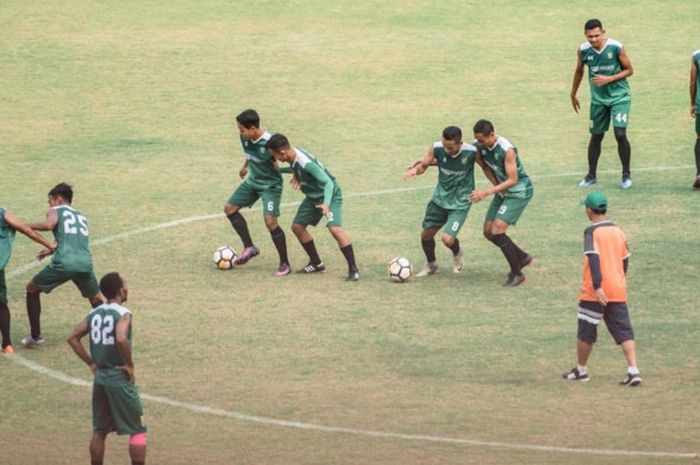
x=203 y=409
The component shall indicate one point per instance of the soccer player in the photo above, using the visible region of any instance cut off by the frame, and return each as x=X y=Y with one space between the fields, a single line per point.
x=694 y=103
x=116 y=405
x=608 y=70
x=604 y=292
x=264 y=181
x=511 y=190
x=9 y=224
x=71 y=261
x=323 y=198
x=450 y=203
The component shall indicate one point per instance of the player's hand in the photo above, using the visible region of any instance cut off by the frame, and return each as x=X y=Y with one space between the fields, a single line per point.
x=93 y=367
x=325 y=209
x=43 y=253
x=129 y=372
x=600 y=295
x=693 y=111
x=294 y=182
x=413 y=164
x=410 y=173
x=477 y=196
x=601 y=80
x=575 y=103
x=243 y=172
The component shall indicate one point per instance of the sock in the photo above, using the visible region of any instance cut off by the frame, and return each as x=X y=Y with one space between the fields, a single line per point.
x=633 y=370
x=5 y=324
x=455 y=247
x=623 y=150
x=594 y=148
x=519 y=252
x=241 y=227
x=349 y=257
x=280 y=241
x=137 y=462
x=310 y=248
x=429 y=249
x=582 y=369
x=96 y=462
x=506 y=246
x=697 y=156
x=34 y=313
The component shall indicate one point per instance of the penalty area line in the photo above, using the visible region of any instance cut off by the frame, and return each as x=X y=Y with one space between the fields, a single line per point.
x=205 y=410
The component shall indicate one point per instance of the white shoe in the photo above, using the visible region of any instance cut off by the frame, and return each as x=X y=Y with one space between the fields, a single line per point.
x=431 y=268
x=458 y=262
x=29 y=341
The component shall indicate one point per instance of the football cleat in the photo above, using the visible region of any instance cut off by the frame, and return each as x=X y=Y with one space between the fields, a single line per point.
x=574 y=375
x=514 y=280
x=430 y=268
x=631 y=380
x=626 y=182
x=353 y=275
x=587 y=181
x=246 y=255
x=312 y=268
x=283 y=270
x=458 y=262
x=28 y=341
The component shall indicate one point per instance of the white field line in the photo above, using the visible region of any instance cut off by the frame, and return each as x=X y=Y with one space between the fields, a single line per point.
x=171 y=224
x=203 y=409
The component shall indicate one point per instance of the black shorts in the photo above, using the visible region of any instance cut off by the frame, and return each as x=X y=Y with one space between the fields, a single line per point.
x=616 y=318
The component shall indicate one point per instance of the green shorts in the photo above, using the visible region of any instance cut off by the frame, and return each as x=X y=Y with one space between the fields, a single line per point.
x=117 y=408
x=436 y=216
x=246 y=195
x=50 y=278
x=309 y=214
x=601 y=114
x=506 y=209
x=3 y=287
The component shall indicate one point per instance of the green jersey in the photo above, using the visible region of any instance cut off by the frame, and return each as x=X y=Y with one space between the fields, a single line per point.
x=261 y=165
x=102 y=324
x=696 y=63
x=605 y=62
x=455 y=178
x=71 y=233
x=495 y=158
x=317 y=183
x=7 y=235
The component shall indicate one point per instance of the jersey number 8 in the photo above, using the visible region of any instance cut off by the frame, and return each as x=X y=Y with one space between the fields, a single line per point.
x=102 y=330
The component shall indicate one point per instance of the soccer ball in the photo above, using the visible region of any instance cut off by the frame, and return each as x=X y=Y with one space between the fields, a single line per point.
x=224 y=256
x=400 y=269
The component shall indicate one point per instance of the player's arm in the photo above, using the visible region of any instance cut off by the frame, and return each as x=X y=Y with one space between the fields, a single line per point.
x=243 y=172
x=49 y=224
x=421 y=165
x=74 y=341
x=693 y=88
x=17 y=225
x=597 y=277
x=122 y=335
x=486 y=169
x=627 y=71
x=578 y=77
x=511 y=180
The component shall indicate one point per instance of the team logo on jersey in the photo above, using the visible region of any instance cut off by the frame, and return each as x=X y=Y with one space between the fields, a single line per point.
x=261 y=149
x=609 y=55
x=245 y=144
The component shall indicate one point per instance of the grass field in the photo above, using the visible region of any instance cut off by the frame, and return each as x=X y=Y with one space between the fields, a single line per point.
x=134 y=104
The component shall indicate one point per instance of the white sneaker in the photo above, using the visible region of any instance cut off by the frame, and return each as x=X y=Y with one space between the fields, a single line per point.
x=430 y=268
x=458 y=262
x=28 y=341
x=626 y=182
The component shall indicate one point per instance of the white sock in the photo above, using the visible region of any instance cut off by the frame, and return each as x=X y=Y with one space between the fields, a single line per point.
x=582 y=369
x=633 y=370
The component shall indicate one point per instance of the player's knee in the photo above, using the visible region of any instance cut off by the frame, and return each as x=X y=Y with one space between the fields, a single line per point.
x=138 y=439
x=298 y=228
x=230 y=209
x=31 y=288
x=621 y=134
x=487 y=234
x=448 y=240
x=271 y=222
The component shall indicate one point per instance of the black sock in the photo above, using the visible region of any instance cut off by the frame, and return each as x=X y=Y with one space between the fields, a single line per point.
x=508 y=249
x=96 y=462
x=624 y=150
x=34 y=313
x=697 y=155
x=455 y=247
x=518 y=251
x=349 y=257
x=5 y=325
x=241 y=227
x=594 y=148
x=280 y=241
x=429 y=249
x=137 y=462
x=310 y=248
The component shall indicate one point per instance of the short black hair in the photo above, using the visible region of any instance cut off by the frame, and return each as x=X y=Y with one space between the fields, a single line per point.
x=277 y=142
x=452 y=133
x=62 y=190
x=592 y=24
x=111 y=284
x=249 y=119
x=484 y=127
x=599 y=211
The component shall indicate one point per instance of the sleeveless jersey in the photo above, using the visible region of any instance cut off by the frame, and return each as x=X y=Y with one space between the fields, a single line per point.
x=7 y=236
x=102 y=325
x=71 y=233
x=261 y=171
x=607 y=63
x=495 y=158
x=696 y=63
x=317 y=183
x=456 y=177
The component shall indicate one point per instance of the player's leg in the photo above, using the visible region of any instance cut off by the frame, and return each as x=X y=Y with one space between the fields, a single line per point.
x=589 y=316
x=97 y=448
x=89 y=288
x=617 y=320
x=620 y=116
x=599 y=122
x=502 y=213
x=271 y=212
x=308 y=214
x=335 y=227
x=433 y=219
x=4 y=317
x=102 y=423
x=455 y=220
x=696 y=184
x=44 y=281
x=243 y=196
x=126 y=409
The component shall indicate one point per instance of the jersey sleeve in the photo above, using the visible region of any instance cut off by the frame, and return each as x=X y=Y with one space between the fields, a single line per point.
x=323 y=179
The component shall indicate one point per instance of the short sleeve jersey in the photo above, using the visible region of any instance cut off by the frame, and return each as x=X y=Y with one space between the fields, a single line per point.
x=609 y=243
x=607 y=63
x=455 y=178
x=102 y=326
x=71 y=233
x=317 y=183
x=7 y=236
x=696 y=63
x=495 y=158
x=262 y=173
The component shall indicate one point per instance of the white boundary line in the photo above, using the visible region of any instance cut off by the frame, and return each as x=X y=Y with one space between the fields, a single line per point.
x=336 y=429
x=203 y=409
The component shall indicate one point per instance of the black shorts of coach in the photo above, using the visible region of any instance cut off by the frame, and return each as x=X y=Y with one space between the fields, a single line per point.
x=615 y=315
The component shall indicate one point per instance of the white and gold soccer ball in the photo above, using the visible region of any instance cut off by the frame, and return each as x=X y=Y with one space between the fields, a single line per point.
x=400 y=269
x=224 y=256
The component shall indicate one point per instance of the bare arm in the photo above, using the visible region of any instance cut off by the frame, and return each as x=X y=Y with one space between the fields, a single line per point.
x=511 y=180
x=578 y=76
x=49 y=224
x=693 y=88
x=74 y=341
x=485 y=168
x=627 y=71
x=17 y=225
x=419 y=168
x=122 y=334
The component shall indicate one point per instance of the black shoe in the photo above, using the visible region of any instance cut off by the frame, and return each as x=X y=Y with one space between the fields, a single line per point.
x=631 y=380
x=526 y=261
x=574 y=375
x=311 y=268
x=514 y=280
x=696 y=184
x=353 y=276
